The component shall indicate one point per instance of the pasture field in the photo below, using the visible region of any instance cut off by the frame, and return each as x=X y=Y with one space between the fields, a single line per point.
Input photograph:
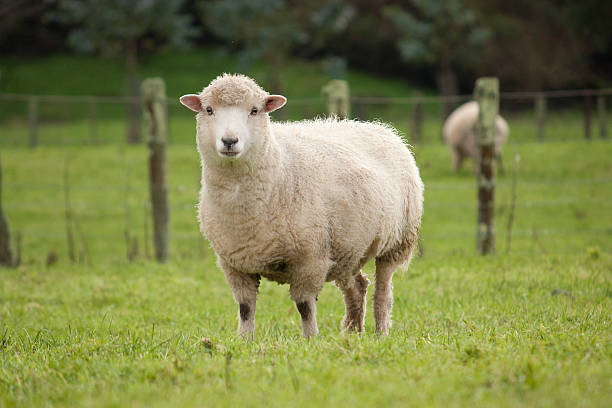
x=526 y=327
x=529 y=326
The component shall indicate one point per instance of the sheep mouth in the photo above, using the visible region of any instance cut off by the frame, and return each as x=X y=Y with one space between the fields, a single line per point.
x=228 y=153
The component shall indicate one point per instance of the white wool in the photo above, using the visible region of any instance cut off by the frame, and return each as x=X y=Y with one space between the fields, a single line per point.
x=459 y=133
x=309 y=202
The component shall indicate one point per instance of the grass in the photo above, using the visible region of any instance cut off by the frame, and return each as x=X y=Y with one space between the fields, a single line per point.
x=531 y=327
x=467 y=331
x=563 y=198
x=526 y=327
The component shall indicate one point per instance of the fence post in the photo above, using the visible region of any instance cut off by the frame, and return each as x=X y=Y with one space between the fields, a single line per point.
x=93 y=120
x=6 y=255
x=156 y=111
x=486 y=93
x=416 y=121
x=601 y=112
x=587 y=117
x=33 y=120
x=540 y=104
x=338 y=98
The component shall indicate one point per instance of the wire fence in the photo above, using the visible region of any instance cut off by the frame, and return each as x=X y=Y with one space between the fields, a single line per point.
x=29 y=119
x=109 y=206
x=114 y=218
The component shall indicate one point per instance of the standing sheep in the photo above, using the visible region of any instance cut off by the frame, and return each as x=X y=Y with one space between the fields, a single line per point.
x=460 y=134
x=302 y=203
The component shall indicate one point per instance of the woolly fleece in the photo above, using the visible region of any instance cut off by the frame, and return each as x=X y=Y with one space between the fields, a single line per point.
x=307 y=202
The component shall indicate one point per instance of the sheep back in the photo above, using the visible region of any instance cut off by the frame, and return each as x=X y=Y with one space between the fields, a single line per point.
x=347 y=190
x=459 y=130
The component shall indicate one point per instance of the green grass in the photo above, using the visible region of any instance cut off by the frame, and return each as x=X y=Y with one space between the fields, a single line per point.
x=528 y=327
x=467 y=331
x=563 y=198
x=183 y=72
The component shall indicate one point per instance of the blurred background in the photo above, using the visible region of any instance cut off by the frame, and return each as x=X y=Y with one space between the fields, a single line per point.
x=384 y=49
x=72 y=134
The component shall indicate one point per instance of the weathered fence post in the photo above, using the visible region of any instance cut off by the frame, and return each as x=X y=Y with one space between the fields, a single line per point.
x=540 y=105
x=338 y=98
x=416 y=121
x=155 y=106
x=93 y=120
x=601 y=112
x=6 y=255
x=33 y=120
x=587 y=117
x=486 y=93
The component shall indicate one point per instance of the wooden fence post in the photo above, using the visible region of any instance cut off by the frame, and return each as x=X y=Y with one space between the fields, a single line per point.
x=33 y=120
x=416 y=121
x=540 y=105
x=338 y=98
x=6 y=255
x=93 y=120
x=587 y=117
x=156 y=110
x=486 y=93
x=601 y=112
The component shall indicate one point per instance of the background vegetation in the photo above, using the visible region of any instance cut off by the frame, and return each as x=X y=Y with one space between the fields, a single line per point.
x=529 y=45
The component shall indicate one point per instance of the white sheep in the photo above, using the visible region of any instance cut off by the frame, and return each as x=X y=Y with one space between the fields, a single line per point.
x=460 y=135
x=302 y=203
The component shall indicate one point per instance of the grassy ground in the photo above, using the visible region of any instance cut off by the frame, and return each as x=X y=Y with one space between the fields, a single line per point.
x=529 y=326
x=563 y=199
x=467 y=331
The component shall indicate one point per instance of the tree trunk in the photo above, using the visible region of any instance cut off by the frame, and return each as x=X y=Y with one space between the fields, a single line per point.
x=447 y=83
x=587 y=117
x=276 y=61
x=133 y=110
x=6 y=256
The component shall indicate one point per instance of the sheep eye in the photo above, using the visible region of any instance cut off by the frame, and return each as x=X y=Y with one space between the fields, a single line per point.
x=209 y=110
x=254 y=111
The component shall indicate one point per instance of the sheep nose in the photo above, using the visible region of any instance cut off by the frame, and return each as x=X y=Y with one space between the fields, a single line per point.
x=228 y=142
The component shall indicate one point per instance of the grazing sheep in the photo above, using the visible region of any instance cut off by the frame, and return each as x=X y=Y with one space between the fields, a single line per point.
x=302 y=203
x=460 y=135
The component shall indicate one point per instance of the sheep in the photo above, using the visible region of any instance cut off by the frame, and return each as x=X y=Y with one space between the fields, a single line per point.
x=302 y=203
x=459 y=134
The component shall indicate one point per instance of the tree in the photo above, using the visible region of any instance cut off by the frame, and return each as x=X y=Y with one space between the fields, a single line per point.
x=23 y=23
x=125 y=29
x=270 y=30
x=443 y=33
x=547 y=43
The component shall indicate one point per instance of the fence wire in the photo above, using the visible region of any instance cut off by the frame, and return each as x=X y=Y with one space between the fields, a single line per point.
x=115 y=219
x=29 y=119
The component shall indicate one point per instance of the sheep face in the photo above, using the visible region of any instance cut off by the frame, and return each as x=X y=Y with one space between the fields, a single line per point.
x=231 y=131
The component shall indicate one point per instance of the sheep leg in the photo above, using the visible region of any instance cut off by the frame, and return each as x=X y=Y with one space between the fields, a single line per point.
x=306 y=283
x=354 y=291
x=244 y=289
x=457 y=160
x=383 y=295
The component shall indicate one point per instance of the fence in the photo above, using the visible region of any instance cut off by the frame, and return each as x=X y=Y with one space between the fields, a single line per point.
x=541 y=116
x=101 y=191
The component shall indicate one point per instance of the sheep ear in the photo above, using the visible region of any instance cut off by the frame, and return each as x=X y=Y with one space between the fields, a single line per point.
x=274 y=102
x=192 y=101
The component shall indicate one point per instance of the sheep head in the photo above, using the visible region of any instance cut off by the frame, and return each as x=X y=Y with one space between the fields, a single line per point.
x=232 y=116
